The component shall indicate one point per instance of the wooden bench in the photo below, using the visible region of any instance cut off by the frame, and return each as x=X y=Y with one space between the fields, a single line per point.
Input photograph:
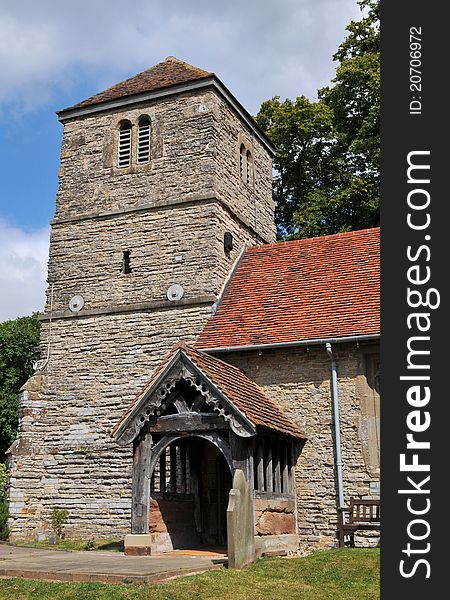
x=362 y=515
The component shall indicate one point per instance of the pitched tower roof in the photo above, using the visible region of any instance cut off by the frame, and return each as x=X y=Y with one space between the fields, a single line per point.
x=171 y=71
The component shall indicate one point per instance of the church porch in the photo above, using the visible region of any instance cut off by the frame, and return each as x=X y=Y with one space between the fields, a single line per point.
x=193 y=429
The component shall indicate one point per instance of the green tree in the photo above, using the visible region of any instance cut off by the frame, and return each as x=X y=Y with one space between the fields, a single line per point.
x=328 y=152
x=302 y=132
x=355 y=102
x=18 y=341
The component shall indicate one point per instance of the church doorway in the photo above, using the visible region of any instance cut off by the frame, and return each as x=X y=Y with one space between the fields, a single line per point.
x=189 y=491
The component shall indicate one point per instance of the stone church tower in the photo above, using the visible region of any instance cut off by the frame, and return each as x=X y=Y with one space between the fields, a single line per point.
x=164 y=179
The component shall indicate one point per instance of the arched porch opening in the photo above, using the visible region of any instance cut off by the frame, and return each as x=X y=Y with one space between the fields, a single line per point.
x=189 y=487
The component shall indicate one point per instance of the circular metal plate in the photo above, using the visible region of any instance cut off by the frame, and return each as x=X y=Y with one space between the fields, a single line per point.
x=175 y=292
x=76 y=303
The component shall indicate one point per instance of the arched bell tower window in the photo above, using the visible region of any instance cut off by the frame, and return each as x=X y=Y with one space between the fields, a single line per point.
x=124 y=145
x=249 y=169
x=143 y=143
x=246 y=164
x=243 y=162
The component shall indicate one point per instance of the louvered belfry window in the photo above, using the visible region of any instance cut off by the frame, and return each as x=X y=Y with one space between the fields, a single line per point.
x=143 y=147
x=124 y=149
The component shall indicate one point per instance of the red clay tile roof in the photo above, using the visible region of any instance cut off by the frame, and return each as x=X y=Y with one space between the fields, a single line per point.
x=244 y=394
x=324 y=287
x=170 y=72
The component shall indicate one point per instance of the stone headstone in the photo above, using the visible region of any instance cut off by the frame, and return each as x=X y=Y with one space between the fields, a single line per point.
x=240 y=523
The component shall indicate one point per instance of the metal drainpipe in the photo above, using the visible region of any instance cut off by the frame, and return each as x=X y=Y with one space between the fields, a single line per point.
x=40 y=365
x=337 y=426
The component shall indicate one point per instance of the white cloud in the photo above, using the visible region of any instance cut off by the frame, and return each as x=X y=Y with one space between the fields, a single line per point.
x=23 y=270
x=259 y=48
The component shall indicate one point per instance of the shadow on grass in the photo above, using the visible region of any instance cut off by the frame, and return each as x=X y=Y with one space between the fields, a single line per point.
x=113 y=546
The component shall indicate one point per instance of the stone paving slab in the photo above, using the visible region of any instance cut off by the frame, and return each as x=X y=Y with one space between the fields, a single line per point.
x=95 y=566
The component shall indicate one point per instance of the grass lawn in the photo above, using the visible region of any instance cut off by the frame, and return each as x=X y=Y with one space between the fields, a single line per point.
x=347 y=574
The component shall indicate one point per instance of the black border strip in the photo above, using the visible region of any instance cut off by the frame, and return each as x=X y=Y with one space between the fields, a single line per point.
x=409 y=127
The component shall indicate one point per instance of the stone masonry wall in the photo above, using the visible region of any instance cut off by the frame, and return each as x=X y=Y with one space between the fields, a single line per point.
x=86 y=257
x=299 y=379
x=253 y=202
x=181 y=157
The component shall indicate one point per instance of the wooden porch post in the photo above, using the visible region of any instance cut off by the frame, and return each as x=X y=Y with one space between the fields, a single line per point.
x=260 y=466
x=242 y=453
x=140 y=507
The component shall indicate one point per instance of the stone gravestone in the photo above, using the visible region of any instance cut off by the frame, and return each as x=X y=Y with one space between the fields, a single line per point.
x=240 y=523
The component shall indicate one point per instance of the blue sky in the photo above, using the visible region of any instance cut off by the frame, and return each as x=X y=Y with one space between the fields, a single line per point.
x=54 y=54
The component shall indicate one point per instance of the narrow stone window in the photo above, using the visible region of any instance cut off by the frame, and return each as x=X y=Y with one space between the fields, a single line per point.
x=143 y=145
x=124 y=145
x=249 y=169
x=227 y=242
x=126 y=262
x=246 y=164
x=373 y=372
x=243 y=162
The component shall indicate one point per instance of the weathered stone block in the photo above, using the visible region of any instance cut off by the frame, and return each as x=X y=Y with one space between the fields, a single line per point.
x=276 y=544
x=275 y=523
x=161 y=542
x=275 y=504
x=138 y=544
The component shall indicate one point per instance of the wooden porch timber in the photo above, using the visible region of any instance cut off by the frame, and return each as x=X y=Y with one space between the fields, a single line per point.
x=169 y=438
x=140 y=507
x=188 y=422
x=242 y=453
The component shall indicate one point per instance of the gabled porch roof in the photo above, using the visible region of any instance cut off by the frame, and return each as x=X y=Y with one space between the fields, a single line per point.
x=226 y=389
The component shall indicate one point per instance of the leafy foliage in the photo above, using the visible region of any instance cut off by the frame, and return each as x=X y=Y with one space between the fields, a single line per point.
x=18 y=340
x=4 y=530
x=58 y=519
x=328 y=152
x=355 y=101
x=3 y=481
